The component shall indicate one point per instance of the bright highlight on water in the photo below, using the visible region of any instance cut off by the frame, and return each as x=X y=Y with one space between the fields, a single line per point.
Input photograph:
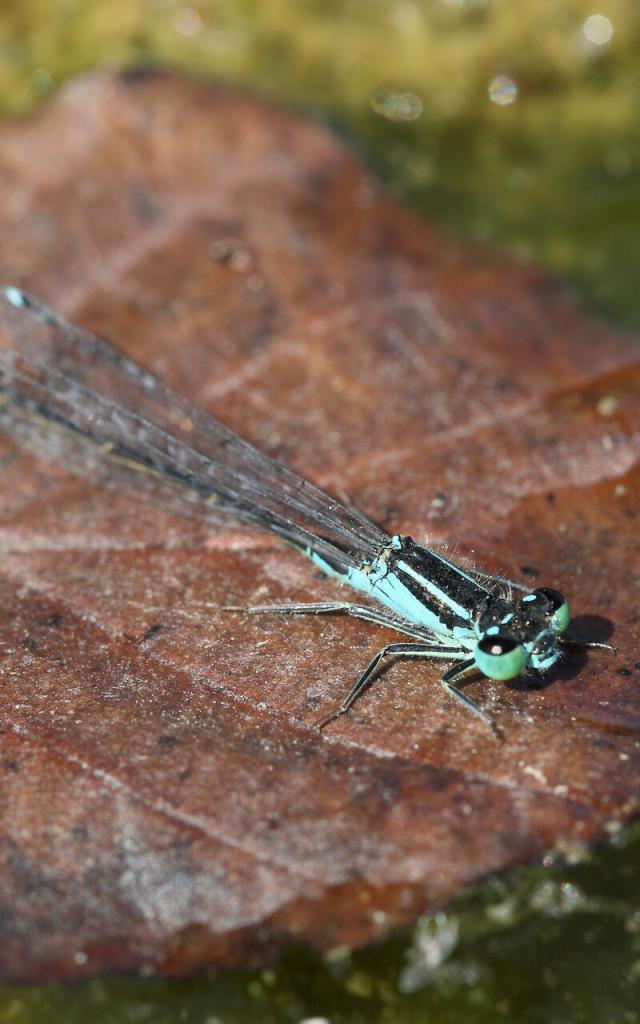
x=71 y=396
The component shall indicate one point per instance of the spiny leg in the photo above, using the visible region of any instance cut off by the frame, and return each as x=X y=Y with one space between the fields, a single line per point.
x=416 y=650
x=357 y=611
x=584 y=645
x=457 y=672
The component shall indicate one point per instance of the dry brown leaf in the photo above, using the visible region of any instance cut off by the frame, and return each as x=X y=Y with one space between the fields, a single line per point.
x=166 y=799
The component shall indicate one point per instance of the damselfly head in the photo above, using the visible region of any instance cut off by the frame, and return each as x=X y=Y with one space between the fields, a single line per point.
x=545 y=615
x=511 y=637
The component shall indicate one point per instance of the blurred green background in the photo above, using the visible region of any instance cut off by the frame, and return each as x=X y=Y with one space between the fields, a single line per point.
x=517 y=122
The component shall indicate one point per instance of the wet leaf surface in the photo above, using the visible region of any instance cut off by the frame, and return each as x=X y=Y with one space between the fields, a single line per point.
x=167 y=802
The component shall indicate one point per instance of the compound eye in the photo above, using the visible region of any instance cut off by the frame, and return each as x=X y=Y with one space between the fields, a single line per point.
x=560 y=614
x=500 y=656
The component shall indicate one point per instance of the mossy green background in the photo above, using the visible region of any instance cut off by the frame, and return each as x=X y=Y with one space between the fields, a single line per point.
x=553 y=176
x=553 y=944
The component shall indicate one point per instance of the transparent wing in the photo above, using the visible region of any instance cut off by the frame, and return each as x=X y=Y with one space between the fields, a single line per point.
x=74 y=398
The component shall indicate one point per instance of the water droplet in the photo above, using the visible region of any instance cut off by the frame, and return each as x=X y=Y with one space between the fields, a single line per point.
x=187 y=22
x=502 y=90
x=396 y=106
x=598 y=29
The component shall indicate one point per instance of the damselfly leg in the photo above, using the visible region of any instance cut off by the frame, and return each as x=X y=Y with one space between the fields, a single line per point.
x=585 y=645
x=356 y=611
x=426 y=649
x=458 y=672
x=418 y=650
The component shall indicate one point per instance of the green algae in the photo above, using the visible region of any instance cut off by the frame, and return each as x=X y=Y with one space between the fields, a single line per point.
x=549 y=944
x=552 y=175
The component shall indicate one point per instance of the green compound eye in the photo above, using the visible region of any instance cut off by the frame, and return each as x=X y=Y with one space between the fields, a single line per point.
x=560 y=614
x=500 y=657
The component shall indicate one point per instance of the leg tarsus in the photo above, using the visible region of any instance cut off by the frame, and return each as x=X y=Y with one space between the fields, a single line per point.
x=292 y=608
x=585 y=645
x=457 y=672
x=320 y=724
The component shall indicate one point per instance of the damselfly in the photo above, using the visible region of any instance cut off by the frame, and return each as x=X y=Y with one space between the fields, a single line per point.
x=72 y=396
